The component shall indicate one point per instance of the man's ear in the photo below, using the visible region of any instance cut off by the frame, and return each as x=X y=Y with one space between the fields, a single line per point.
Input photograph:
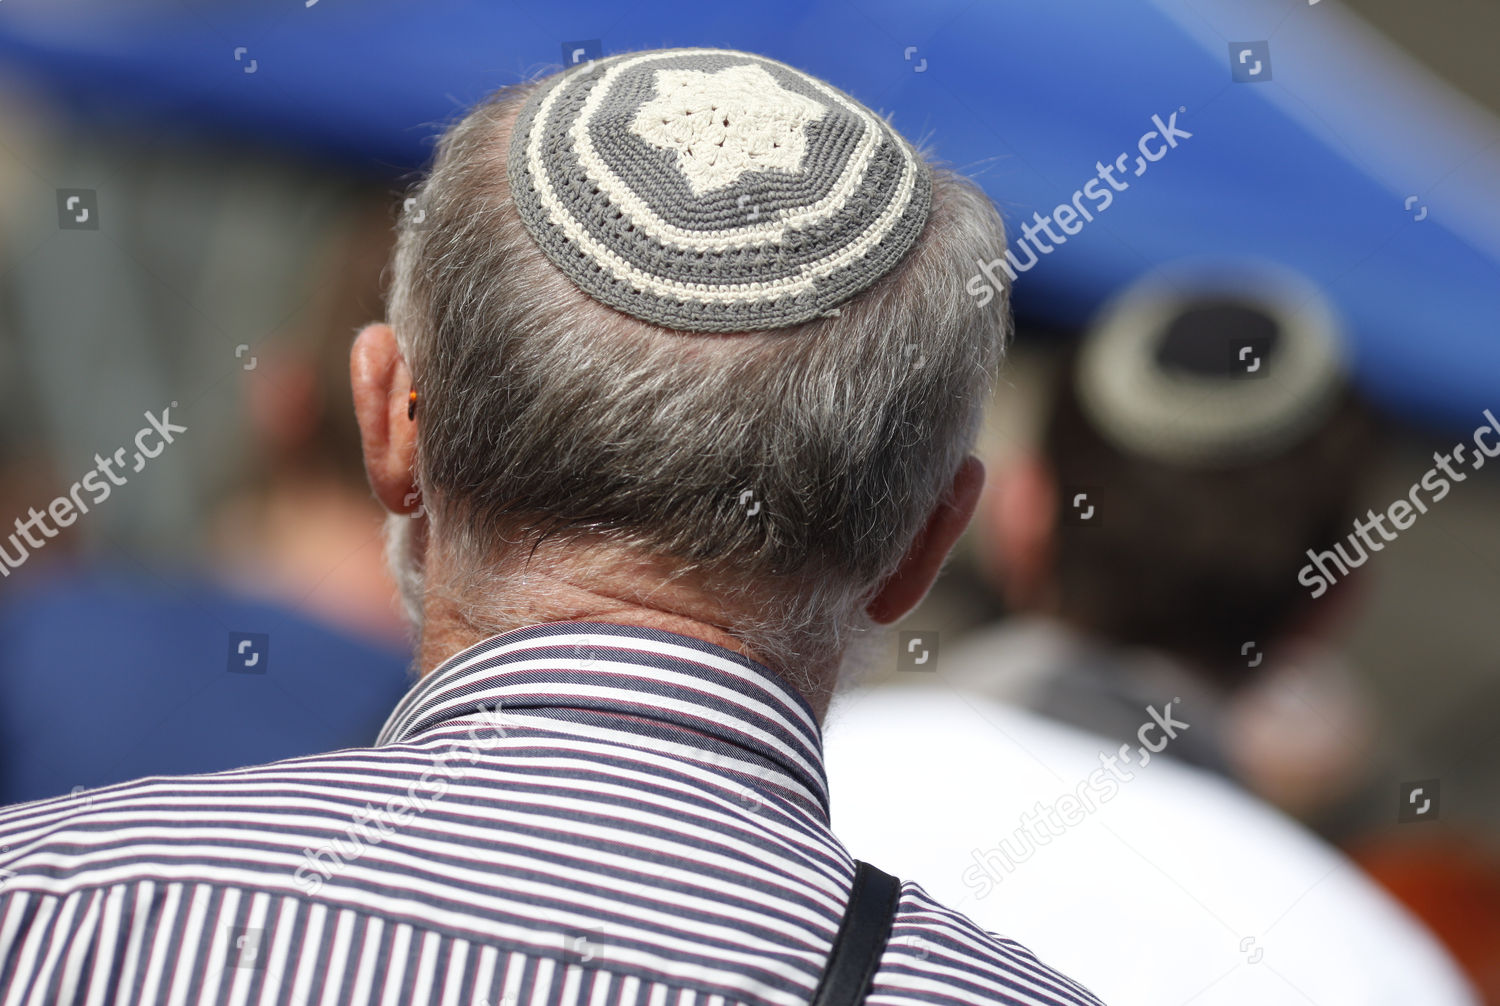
x=382 y=388
x=906 y=587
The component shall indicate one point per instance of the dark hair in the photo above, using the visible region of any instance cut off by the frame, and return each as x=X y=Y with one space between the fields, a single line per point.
x=1190 y=560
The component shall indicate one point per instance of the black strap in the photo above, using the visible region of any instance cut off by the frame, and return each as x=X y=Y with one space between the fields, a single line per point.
x=861 y=938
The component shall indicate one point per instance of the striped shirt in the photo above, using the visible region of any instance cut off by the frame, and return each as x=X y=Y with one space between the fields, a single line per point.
x=566 y=813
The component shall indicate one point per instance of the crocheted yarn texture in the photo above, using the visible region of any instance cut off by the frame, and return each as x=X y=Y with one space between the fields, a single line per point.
x=713 y=191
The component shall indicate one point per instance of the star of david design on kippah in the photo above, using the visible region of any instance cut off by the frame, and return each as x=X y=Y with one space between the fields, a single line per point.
x=713 y=191
x=726 y=124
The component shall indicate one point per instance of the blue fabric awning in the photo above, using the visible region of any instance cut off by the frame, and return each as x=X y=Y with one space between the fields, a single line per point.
x=1026 y=97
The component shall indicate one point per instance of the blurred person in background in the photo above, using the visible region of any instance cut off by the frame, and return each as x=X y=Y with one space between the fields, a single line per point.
x=1199 y=449
x=286 y=637
x=299 y=522
x=1074 y=762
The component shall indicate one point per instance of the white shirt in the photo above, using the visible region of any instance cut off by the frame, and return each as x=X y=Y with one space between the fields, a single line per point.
x=1151 y=883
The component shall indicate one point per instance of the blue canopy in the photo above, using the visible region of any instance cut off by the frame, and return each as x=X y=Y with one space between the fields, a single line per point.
x=1297 y=164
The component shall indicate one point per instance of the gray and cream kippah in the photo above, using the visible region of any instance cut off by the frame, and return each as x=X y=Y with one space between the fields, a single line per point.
x=713 y=191
x=1212 y=364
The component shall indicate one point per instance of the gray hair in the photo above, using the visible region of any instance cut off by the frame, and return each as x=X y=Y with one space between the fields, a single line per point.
x=787 y=472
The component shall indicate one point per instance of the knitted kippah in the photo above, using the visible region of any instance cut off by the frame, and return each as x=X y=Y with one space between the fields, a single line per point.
x=713 y=191
x=1212 y=364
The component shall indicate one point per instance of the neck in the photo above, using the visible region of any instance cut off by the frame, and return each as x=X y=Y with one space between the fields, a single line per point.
x=454 y=621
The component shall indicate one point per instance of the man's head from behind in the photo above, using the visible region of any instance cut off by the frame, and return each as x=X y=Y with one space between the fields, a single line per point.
x=1199 y=441
x=687 y=333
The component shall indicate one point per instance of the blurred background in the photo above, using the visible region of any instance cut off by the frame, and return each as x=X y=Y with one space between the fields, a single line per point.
x=196 y=204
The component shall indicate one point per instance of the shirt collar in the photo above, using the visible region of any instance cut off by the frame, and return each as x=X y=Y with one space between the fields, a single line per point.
x=699 y=697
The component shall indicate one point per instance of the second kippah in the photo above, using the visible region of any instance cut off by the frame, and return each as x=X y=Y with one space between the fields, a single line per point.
x=1212 y=363
x=713 y=191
